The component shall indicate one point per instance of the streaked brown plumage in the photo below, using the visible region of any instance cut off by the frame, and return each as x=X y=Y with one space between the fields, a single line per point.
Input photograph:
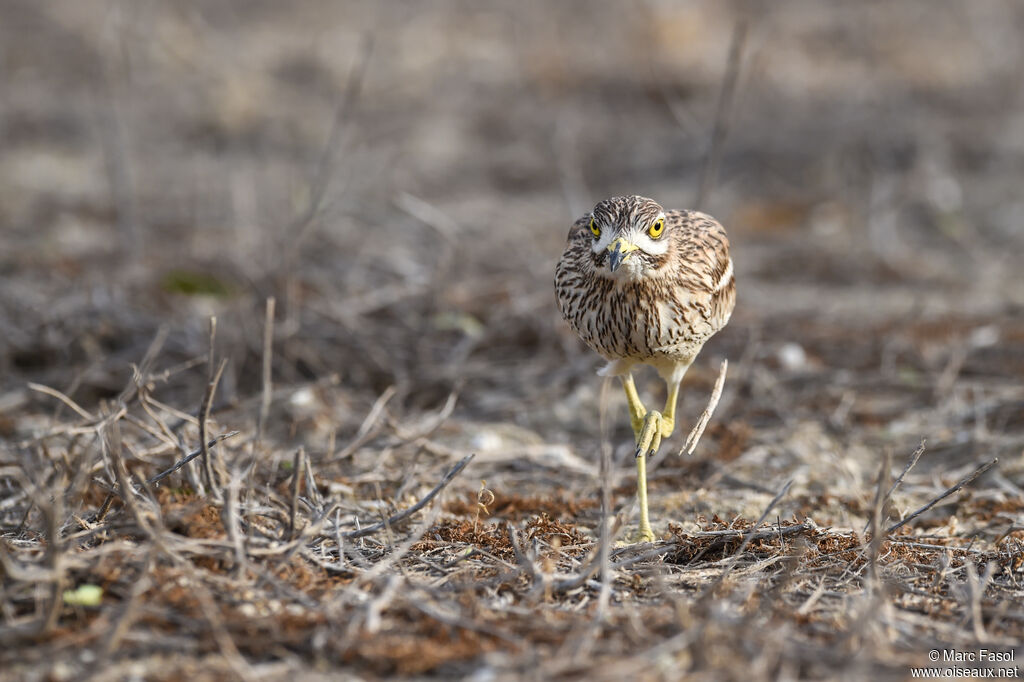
x=642 y=285
x=667 y=313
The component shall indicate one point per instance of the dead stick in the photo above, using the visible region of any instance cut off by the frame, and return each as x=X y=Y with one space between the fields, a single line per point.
x=910 y=465
x=899 y=479
x=204 y=406
x=204 y=414
x=705 y=417
x=105 y=507
x=297 y=466
x=604 y=549
x=949 y=491
x=82 y=412
x=268 y=354
x=191 y=456
x=877 y=509
x=735 y=534
x=230 y=516
x=402 y=515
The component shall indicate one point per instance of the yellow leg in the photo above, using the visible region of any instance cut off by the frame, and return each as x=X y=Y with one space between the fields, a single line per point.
x=657 y=425
x=636 y=408
x=653 y=427
x=645 y=533
x=668 y=416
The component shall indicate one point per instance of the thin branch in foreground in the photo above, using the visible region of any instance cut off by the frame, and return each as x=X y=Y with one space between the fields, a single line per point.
x=910 y=465
x=756 y=533
x=600 y=557
x=268 y=356
x=82 y=412
x=382 y=566
x=949 y=491
x=191 y=456
x=230 y=516
x=141 y=372
x=746 y=542
x=878 y=509
x=204 y=407
x=899 y=479
x=406 y=513
x=212 y=480
x=105 y=506
x=298 y=463
x=366 y=430
x=604 y=559
x=705 y=417
x=975 y=591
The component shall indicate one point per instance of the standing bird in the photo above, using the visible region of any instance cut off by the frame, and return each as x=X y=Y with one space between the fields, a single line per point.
x=642 y=285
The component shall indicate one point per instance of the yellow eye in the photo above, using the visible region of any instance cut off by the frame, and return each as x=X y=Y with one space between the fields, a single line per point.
x=594 y=228
x=657 y=228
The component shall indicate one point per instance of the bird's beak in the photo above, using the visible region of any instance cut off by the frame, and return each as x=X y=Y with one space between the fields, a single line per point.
x=618 y=250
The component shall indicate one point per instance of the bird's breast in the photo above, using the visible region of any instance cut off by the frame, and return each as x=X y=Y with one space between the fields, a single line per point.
x=635 y=320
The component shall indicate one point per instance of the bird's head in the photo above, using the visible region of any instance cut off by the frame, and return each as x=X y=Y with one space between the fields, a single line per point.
x=629 y=237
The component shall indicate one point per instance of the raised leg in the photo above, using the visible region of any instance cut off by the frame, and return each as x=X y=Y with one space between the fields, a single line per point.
x=653 y=427
x=657 y=425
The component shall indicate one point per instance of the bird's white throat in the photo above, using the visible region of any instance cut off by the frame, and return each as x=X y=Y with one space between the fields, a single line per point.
x=632 y=269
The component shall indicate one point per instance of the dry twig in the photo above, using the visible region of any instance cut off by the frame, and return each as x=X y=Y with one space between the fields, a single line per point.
x=406 y=513
x=705 y=417
x=946 y=493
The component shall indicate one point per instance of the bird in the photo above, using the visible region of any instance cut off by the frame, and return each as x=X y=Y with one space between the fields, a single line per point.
x=642 y=285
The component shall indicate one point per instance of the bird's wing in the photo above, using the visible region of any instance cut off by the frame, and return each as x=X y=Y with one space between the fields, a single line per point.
x=702 y=252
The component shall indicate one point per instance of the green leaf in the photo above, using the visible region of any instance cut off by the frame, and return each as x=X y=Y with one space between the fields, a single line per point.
x=84 y=595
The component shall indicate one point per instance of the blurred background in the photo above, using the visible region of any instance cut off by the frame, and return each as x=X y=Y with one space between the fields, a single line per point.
x=401 y=178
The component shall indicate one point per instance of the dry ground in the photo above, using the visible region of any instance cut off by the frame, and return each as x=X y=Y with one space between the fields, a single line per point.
x=399 y=179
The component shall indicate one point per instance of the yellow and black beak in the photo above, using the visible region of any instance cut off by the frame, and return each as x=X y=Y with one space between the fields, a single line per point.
x=618 y=250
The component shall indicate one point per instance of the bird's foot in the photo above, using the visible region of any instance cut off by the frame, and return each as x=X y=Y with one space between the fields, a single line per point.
x=654 y=427
x=638 y=535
